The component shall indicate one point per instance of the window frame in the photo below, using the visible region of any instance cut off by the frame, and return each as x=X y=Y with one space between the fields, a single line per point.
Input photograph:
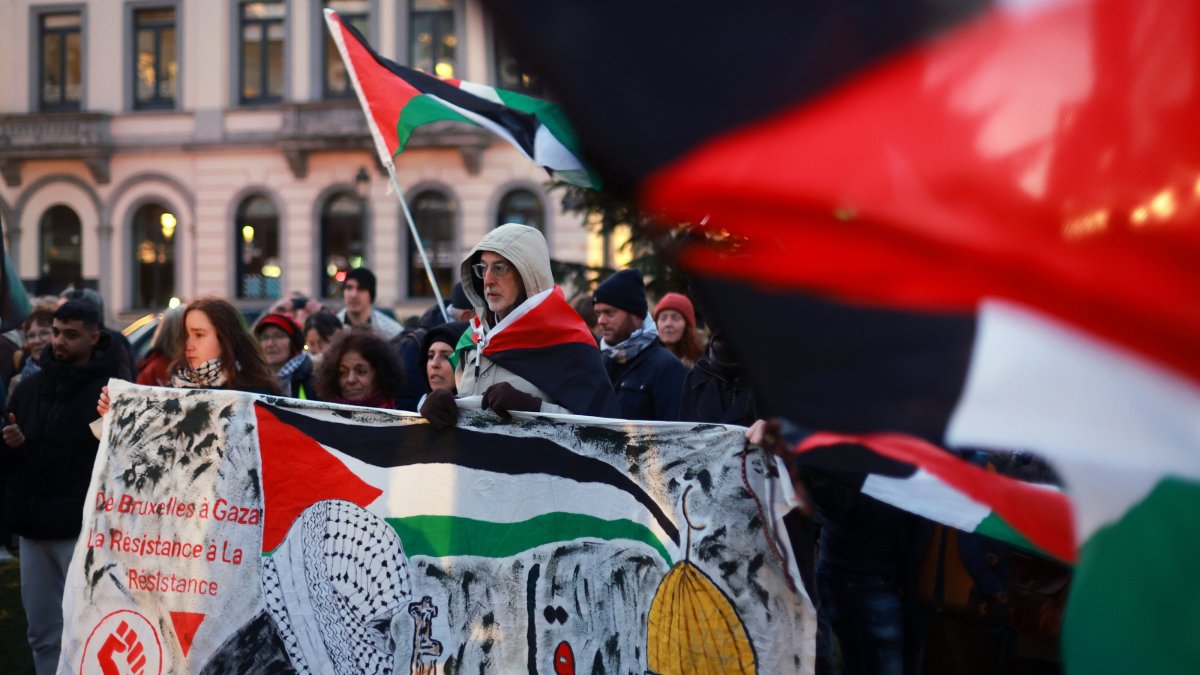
x=135 y=288
x=320 y=34
x=239 y=242
x=321 y=208
x=406 y=35
x=410 y=250
x=38 y=16
x=239 y=27
x=157 y=102
x=43 y=254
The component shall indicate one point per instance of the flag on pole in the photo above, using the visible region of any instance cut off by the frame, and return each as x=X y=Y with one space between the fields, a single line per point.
x=397 y=99
x=15 y=301
x=976 y=222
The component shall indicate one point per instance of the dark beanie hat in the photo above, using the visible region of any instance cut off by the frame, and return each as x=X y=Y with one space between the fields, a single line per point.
x=624 y=290
x=459 y=299
x=365 y=279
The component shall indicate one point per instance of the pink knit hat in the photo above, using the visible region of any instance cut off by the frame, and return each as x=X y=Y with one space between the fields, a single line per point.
x=679 y=303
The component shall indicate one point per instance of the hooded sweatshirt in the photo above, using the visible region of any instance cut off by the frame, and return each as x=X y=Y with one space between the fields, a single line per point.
x=562 y=350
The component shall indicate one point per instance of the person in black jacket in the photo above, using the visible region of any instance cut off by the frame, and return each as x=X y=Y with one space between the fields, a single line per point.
x=646 y=378
x=716 y=389
x=48 y=466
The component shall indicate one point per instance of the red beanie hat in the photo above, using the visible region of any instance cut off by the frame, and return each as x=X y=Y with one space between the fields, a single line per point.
x=679 y=303
x=285 y=324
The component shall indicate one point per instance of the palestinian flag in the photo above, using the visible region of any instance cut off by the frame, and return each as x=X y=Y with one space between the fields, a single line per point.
x=532 y=491
x=977 y=222
x=397 y=99
x=14 y=301
x=544 y=341
x=926 y=480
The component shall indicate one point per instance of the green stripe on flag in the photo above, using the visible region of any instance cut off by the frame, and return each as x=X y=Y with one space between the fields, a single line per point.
x=995 y=527
x=440 y=536
x=1133 y=607
x=419 y=110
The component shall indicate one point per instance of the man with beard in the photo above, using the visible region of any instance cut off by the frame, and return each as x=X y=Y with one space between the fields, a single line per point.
x=48 y=467
x=647 y=379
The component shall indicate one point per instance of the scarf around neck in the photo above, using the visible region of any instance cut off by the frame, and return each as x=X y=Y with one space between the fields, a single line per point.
x=624 y=352
x=207 y=375
x=375 y=400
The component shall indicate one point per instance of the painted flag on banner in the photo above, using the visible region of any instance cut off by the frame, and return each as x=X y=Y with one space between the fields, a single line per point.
x=231 y=533
x=978 y=223
x=397 y=99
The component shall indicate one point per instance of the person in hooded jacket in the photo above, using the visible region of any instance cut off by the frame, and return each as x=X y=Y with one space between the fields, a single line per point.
x=48 y=466
x=528 y=350
x=716 y=389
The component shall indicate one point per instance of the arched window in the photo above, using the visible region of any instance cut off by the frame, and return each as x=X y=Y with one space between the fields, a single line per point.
x=256 y=231
x=343 y=239
x=522 y=207
x=61 y=256
x=153 y=256
x=435 y=215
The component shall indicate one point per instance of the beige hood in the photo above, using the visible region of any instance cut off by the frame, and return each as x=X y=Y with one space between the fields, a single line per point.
x=524 y=247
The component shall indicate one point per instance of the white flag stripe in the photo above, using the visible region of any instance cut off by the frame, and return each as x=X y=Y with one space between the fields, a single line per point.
x=481 y=90
x=548 y=151
x=926 y=496
x=1111 y=422
x=439 y=489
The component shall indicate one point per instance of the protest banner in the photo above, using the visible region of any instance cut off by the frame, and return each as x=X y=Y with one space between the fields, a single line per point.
x=227 y=532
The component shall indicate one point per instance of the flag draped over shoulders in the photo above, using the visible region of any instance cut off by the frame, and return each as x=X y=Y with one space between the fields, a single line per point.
x=545 y=342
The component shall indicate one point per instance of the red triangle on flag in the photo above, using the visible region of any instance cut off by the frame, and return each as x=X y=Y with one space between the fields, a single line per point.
x=186 y=624
x=298 y=472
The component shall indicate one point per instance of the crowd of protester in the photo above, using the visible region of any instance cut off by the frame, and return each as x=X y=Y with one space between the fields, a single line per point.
x=610 y=352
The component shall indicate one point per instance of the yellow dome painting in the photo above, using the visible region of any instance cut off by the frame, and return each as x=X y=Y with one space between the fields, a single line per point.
x=693 y=628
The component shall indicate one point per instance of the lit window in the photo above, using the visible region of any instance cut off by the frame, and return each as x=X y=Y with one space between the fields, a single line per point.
x=336 y=79
x=61 y=75
x=153 y=256
x=262 y=34
x=154 y=64
x=256 y=231
x=436 y=217
x=432 y=41
x=343 y=240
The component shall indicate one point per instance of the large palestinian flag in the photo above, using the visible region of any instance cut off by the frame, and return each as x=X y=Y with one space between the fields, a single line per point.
x=974 y=222
x=228 y=533
x=397 y=99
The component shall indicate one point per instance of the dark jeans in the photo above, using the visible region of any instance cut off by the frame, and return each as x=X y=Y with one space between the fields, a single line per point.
x=866 y=612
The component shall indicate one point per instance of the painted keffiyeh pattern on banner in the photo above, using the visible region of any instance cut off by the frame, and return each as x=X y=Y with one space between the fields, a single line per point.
x=234 y=533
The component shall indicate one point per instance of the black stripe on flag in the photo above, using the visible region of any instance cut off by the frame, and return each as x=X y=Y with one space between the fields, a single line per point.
x=647 y=81
x=827 y=365
x=523 y=126
x=411 y=444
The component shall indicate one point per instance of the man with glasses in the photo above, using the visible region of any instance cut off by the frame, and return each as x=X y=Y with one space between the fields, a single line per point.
x=526 y=349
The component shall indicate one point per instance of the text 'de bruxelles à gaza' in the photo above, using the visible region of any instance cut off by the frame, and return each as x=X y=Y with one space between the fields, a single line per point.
x=220 y=509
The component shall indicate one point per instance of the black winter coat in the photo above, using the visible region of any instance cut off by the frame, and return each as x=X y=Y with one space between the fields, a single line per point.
x=718 y=393
x=47 y=478
x=648 y=386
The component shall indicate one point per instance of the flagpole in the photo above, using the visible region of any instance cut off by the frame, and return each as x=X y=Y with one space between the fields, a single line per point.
x=412 y=229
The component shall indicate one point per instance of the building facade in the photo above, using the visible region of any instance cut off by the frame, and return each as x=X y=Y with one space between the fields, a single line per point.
x=159 y=149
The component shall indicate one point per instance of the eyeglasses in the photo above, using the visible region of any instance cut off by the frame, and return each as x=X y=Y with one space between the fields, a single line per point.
x=499 y=270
